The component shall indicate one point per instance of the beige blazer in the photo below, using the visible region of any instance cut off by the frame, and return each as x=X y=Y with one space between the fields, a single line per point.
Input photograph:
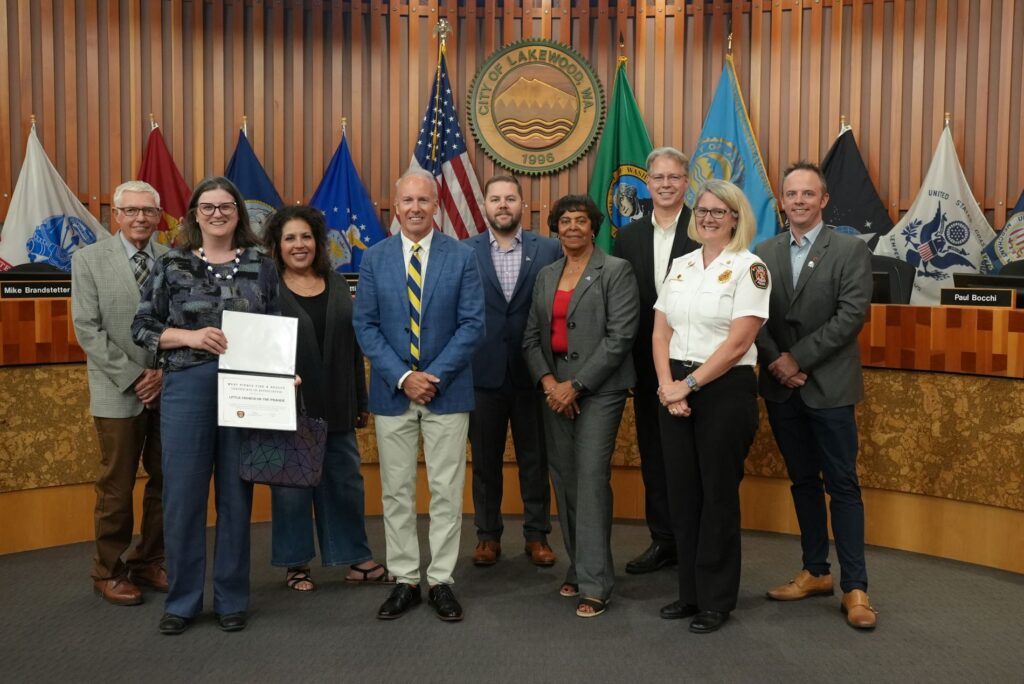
x=104 y=298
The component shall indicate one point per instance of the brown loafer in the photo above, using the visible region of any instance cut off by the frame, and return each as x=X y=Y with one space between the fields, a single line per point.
x=859 y=613
x=802 y=586
x=153 y=576
x=540 y=553
x=119 y=591
x=486 y=553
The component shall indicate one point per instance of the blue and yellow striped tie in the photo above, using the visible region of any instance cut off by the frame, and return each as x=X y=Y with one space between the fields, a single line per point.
x=414 y=284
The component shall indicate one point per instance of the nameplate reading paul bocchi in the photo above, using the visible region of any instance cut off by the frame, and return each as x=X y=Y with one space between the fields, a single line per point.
x=963 y=296
x=27 y=289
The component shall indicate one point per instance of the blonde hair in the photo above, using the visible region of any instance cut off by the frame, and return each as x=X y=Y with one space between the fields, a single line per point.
x=746 y=227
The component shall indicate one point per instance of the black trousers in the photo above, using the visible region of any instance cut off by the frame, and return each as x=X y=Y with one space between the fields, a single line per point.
x=652 y=465
x=820 y=450
x=703 y=468
x=488 y=427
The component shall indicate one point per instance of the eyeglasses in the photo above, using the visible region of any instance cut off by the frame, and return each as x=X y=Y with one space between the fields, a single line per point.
x=132 y=212
x=226 y=209
x=717 y=212
x=674 y=179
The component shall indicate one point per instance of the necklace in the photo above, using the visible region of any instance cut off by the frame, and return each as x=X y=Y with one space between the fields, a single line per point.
x=209 y=266
x=304 y=290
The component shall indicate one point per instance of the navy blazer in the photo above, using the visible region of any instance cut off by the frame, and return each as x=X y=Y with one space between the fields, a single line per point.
x=501 y=353
x=451 y=323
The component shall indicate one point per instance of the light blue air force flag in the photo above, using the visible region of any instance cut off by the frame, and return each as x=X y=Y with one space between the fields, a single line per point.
x=727 y=149
x=1009 y=243
x=944 y=231
x=352 y=222
x=245 y=170
x=45 y=222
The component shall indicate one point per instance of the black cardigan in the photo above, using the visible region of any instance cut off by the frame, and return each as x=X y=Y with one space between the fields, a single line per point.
x=334 y=386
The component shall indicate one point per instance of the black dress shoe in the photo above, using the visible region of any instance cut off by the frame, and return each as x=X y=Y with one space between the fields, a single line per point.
x=233 y=622
x=172 y=625
x=708 y=621
x=656 y=556
x=445 y=604
x=677 y=610
x=402 y=598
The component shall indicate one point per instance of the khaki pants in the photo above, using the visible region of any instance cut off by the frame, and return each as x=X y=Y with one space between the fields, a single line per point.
x=444 y=446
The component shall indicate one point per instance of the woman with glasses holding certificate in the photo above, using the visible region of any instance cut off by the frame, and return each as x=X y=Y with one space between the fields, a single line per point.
x=329 y=360
x=215 y=268
x=707 y=315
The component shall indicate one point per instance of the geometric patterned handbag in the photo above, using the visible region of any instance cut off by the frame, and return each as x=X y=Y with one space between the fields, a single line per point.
x=285 y=459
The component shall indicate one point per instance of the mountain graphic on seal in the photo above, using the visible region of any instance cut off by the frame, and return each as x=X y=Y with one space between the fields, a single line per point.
x=535 y=114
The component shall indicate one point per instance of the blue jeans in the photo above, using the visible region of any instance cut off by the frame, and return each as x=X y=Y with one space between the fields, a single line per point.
x=338 y=506
x=820 y=450
x=194 y=448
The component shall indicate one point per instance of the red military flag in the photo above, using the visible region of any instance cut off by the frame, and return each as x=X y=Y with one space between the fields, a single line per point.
x=159 y=170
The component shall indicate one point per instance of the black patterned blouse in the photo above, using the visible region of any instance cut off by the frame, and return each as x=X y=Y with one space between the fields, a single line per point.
x=183 y=294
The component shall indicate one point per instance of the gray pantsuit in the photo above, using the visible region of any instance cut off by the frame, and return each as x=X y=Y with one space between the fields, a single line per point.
x=601 y=324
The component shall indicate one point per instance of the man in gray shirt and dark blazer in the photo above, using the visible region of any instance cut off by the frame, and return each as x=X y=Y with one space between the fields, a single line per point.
x=124 y=391
x=810 y=379
x=509 y=258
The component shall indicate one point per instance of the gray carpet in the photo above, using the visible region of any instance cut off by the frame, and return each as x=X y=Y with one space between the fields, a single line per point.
x=940 y=621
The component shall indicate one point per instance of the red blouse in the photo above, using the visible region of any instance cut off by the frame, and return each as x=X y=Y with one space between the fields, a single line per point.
x=559 y=311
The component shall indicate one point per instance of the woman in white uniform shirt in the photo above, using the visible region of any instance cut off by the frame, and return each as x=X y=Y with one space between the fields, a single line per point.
x=710 y=309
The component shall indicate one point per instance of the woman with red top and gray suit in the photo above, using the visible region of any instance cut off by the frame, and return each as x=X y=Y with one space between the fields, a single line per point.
x=577 y=343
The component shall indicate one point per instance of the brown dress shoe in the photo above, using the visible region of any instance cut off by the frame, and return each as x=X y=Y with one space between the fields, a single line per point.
x=487 y=552
x=119 y=591
x=540 y=553
x=153 y=576
x=859 y=612
x=802 y=586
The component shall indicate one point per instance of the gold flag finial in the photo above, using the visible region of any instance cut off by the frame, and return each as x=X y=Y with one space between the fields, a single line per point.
x=152 y=121
x=728 y=45
x=443 y=30
x=32 y=118
x=245 y=125
x=948 y=118
x=344 y=124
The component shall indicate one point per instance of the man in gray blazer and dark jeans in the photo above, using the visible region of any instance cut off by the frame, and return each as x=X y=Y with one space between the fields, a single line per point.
x=124 y=390
x=810 y=379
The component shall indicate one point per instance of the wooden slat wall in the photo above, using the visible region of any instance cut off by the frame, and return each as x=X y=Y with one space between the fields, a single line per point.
x=93 y=70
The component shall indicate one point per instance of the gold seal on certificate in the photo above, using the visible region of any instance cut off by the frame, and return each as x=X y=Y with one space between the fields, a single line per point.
x=256 y=375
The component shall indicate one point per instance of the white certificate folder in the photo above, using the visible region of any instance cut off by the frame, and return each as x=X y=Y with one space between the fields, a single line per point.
x=256 y=375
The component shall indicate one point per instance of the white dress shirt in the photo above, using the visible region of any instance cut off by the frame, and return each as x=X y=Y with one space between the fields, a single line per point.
x=663 y=239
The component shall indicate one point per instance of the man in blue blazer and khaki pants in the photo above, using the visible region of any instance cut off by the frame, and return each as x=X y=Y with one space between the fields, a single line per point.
x=420 y=339
x=509 y=258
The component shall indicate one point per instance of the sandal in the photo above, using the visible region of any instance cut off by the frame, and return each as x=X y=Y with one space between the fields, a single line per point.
x=297 y=576
x=597 y=607
x=365 y=578
x=569 y=590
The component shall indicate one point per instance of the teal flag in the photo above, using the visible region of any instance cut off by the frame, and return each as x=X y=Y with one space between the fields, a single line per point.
x=727 y=149
x=619 y=183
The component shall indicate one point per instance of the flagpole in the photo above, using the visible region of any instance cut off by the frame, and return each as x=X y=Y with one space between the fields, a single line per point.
x=245 y=125
x=948 y=118
x=442 y=30
x=843 y=126
x=152 y=122
x=33 y=122
x=344 y=125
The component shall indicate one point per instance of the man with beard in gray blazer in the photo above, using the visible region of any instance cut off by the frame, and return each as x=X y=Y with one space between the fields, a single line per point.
x=124 y=391
x=810 y=379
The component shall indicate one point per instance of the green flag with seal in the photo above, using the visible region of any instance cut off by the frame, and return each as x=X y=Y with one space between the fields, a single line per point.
x=619 y=183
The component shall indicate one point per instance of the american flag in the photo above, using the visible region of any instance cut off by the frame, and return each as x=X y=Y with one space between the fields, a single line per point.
x=441 y=150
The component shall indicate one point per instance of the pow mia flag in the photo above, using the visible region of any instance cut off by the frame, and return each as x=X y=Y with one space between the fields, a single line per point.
x=854 y=206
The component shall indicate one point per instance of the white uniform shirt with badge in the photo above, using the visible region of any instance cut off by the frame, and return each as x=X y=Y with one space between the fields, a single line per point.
x=701 y=303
